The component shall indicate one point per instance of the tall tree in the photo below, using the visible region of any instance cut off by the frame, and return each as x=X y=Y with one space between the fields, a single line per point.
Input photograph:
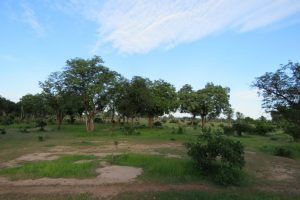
x=281 y=93
x=188 y=102
x=89 y=79
x=34 y=106
x=162 y=100
x=56 y=95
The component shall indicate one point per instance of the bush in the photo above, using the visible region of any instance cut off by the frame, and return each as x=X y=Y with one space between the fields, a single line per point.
x=23 y=129
x=283 y=152
x=7 y=120
x=263 y=127
x=2 y=131
x=128 y=130
x=241 y=127
x=228 y=176
x=41 y=124
x=157 y=124
x=282 y=137
x=174 y=121
x=40 y=138
x=219 y=156
x=180 y=130
x=98 y=120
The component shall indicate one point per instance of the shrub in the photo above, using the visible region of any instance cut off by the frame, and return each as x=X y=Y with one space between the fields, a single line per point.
x=282 y=137
x=157 y=124
x=228 y=130
x=180 y=130
x=40 y=138
x=228 y=176
x=2 y=131
x=23 y=129
x=242 y=127
x=41 y=124
x=283 y=152
x=98 y=120
x=263 y=127
x=174 y=121
x=219 y=156
x=128 y=130
x=7 y=120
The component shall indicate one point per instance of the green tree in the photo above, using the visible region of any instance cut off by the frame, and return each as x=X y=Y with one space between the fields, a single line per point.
x=212 y=101
x=33 y=106
x=281 y=94
x=89 y=79
x=188 y=101
x=162 y=100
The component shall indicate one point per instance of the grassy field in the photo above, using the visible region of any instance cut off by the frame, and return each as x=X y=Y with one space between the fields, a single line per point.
x=160 y=152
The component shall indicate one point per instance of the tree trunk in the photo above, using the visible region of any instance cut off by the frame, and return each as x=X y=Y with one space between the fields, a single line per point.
x=150 y=121
x=202 y=121
x=193 y=120
x=90 y=126
x=59 y=119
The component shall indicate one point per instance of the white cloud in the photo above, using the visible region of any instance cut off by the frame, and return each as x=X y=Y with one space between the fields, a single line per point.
x=29 y=17
x=139 y=26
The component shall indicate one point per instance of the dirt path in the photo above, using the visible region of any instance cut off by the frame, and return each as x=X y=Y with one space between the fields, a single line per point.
x=103 y=190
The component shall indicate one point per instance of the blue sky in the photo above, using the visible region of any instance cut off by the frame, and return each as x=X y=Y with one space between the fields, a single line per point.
x=228 y=42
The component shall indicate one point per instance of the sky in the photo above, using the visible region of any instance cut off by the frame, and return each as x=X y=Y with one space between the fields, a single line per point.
x=227 y=42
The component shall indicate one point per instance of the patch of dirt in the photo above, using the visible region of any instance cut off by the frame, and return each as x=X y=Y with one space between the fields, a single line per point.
x=104 y=191
x=107 y=175
x=30 y=158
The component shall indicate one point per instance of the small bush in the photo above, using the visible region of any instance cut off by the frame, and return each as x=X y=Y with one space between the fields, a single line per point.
x=180 y=130
x=283 y=152
x=41 y=124
x=241 y=127
x=98 y=120
x=219 y=156
x=228 y=176
x=282 y=137
x=128 y=130
x=7 y=120
x=2 y=131
x=174 y=121
x=40 y=138
x=23 y=129
x=263 y=127
x=157 y=124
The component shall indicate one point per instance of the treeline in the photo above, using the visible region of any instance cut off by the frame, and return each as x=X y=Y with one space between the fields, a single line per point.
x=85 y=88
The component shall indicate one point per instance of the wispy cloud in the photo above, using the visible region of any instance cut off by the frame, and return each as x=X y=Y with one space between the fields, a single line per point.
x=29 y=17
x=139 y=26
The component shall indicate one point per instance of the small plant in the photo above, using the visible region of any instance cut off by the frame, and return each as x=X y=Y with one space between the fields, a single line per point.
x=219 y=156
x=180 y=130
x=2 y=131
x=116 y=143
x=283 y=152
x=128 y=130
x=40 y=138
x=41 y=124
x=172 y=139
x=157 y=124
x=23 y=129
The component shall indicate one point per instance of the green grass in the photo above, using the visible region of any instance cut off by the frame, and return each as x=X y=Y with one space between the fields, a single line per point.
x=159 y=168
x=294 y=148
x=63 y=167
x=202 y=195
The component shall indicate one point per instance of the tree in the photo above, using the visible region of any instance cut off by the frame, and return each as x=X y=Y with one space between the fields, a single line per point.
x=162 y=100
x=212 y=101
x=188 y=102
x=33 y=106
x=90 y=80
x=281 y=93
x=56 y=96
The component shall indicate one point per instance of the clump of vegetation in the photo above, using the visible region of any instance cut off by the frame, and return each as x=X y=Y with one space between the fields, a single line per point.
x=41 y=138
x=180 y=130
x=24 y=129
x=128 y=130
x=241 y=127
x=157 y=124
x=41 y=124
x=283 y=152
x=2 y=131
x=282 y=137
x=218 y=156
